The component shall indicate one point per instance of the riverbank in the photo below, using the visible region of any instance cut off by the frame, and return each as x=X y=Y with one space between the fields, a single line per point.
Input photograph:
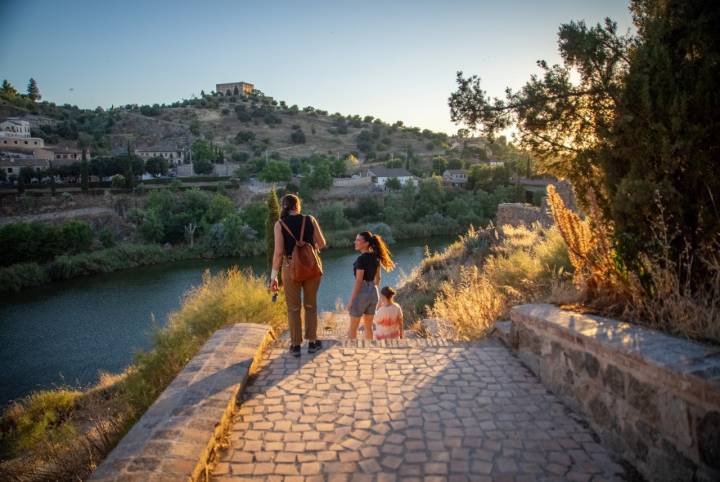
x=21 y=276
x=62 y=434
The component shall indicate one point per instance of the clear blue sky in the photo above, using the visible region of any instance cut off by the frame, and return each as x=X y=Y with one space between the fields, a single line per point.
x=392 y=59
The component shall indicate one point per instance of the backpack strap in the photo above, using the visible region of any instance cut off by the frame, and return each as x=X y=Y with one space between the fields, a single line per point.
x=282 y=223
x=302 y=233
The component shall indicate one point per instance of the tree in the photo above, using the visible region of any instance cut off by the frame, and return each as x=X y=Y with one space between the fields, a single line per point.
x=638 y=128
x=320 y=178
x=243 y=137
x=84 y=172
x=157 y=166
x=33 y=92
x=128 y=173
x=456 y=163
x=332 y=216
x=393 y=184
x=439 y=165
x=7 y=90
x=297 y=136
x=276 y=171
x=202 y=150
x=202 y=167
x=273 y=214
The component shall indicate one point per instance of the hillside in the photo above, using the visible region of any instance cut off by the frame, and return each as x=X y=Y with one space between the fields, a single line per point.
x=264 y=124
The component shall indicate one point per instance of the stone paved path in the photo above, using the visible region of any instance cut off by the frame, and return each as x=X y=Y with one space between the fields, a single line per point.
x=408 y=410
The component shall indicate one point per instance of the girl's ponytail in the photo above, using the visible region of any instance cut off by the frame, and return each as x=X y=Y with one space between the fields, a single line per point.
x=381 y=251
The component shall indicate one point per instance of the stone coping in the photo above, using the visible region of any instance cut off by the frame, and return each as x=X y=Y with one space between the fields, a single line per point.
x=174 y=439
x=669 y=356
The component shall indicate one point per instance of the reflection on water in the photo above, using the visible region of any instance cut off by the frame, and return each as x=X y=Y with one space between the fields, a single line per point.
x=64 y=333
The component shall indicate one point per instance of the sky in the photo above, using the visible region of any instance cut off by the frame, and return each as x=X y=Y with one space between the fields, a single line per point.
x=392 y=59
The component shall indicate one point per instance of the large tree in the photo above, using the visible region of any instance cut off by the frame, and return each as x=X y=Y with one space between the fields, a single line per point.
x=33 y=92
x=639 y=127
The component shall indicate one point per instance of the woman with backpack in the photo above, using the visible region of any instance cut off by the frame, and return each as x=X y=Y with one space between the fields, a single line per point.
x=298 y=239
x=374 y=254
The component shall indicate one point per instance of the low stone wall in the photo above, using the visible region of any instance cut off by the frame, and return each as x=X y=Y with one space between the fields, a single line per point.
x=521 y=214
x=352 y=181
x=653 y=398
x=176 y=437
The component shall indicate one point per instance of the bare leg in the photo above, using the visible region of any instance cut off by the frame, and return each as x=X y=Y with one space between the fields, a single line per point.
x=368 y=322
x=354 y=322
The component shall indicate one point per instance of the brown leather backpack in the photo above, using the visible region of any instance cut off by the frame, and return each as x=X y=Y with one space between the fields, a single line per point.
x=304 y=263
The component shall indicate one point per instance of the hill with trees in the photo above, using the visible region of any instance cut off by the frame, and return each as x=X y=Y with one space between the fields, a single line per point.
x=245 y=128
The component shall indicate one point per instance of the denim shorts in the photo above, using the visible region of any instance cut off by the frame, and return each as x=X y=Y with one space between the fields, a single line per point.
x=365 y=301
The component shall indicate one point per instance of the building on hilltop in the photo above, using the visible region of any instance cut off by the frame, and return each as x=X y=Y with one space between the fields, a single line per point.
x=229 y=88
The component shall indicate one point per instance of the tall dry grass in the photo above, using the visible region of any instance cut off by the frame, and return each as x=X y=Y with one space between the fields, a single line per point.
x=62 y=434
x=475 y=281
x=665 y=298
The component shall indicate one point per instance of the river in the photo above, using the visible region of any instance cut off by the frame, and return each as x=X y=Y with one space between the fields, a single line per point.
x=63 y=334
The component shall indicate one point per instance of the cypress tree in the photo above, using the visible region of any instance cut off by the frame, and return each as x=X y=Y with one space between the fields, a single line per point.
x=33 y=92
x=84 y=172
x=129 y=176
x=273 y=216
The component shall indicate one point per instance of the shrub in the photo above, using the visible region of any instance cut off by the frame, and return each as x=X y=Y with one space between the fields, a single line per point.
x=22 y=275
x=332 y=216
x=297 y=136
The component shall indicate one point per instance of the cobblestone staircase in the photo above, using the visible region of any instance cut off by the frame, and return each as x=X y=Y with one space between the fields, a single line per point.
x=411 y=409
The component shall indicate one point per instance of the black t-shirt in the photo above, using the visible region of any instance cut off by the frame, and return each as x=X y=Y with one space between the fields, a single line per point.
x=367 y=262
x=294 y=222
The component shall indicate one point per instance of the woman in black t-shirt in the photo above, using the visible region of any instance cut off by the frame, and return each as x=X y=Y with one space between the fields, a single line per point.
x=374 y=254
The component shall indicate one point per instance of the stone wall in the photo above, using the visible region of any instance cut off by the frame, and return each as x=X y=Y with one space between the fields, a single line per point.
x=653 y=398
x=178 y=435
x=521 y=214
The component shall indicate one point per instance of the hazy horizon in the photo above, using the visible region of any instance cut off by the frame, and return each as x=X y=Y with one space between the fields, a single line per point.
x=395 y=62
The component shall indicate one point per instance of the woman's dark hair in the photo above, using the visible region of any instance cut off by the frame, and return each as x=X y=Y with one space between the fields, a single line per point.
x=387 y=292
x=289 y=202
x=380 y=249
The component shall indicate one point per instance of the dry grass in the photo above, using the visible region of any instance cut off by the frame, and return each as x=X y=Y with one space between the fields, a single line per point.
x=475 y=281
x=664 y=299
x=63 y=435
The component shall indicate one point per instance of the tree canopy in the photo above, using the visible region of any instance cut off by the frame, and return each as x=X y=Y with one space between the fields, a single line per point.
x=639 y=128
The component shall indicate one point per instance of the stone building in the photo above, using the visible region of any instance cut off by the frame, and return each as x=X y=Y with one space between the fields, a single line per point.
x=229 y=88
x=174 y=155
x=455 y=177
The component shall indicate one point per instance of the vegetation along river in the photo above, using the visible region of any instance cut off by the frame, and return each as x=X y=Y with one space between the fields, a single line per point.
x=65 y=333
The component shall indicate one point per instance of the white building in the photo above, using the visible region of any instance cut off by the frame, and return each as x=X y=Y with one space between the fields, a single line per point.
x=14 y=127
x=380 y=175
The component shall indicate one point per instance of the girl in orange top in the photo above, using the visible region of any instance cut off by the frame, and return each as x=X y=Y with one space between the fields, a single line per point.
x=388 y=319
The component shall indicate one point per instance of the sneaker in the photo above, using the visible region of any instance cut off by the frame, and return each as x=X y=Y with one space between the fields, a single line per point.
x=295 y=350
x=314 y=346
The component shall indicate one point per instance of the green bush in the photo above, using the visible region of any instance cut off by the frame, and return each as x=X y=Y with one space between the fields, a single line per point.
x=39 y=242
x=22 y=275
x=332 y=216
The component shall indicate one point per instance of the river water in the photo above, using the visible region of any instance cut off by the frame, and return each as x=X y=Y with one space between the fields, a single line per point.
x=63 y=334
